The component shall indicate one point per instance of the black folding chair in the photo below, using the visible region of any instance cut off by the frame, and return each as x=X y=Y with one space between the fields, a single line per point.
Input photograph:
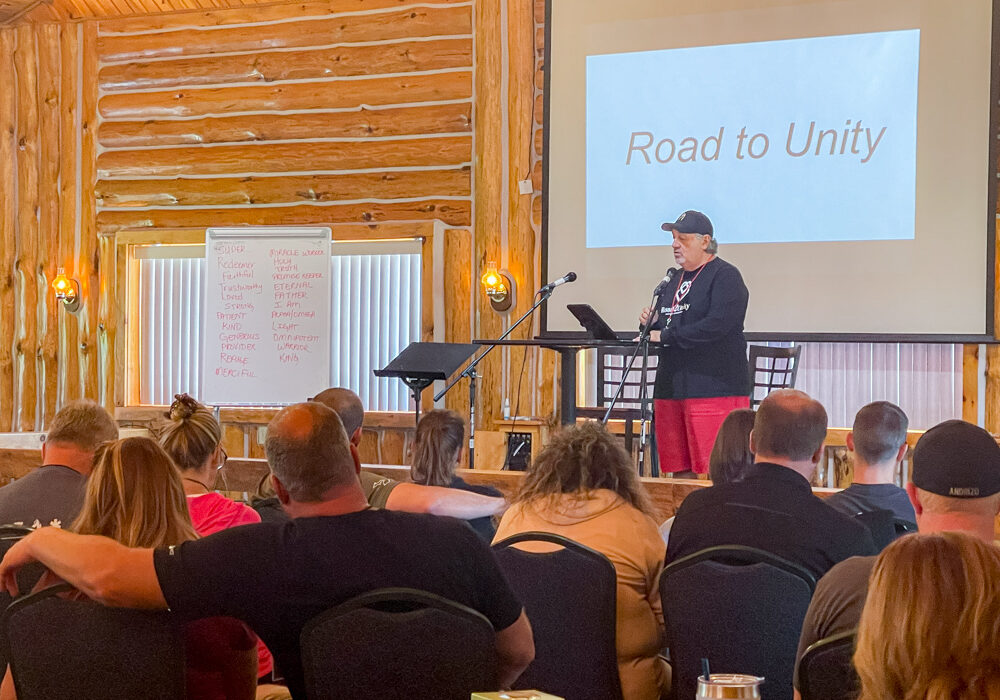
x=71 y=650
x=397 y=644
x=570 y=596
x=739 y=607
x=826 y=670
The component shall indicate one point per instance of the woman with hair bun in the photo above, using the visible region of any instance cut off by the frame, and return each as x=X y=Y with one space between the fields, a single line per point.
x=437 y=451
x=193 y=439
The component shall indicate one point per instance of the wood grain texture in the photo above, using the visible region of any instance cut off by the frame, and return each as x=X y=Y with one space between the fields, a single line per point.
x=282 y=189
x=332 y=94
x=342 y=61
x=287 y=157
x=26 y=307
x=992 y=421
x=382 y=26
x=68 y=192
x=49 y=69
x=88 y=268
x=970 y=383
x=9 y=240
x=267 y=12
x=362 y=123
x=489 y=176
x=454 y=212
x=458 y=290
x=107 y=319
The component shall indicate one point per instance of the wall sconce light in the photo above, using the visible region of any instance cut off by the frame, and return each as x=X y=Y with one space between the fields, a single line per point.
x=499 y=287
x=67 y=290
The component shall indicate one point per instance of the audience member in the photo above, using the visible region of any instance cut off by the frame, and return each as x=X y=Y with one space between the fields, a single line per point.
x=954 y=487
x=383 y=492
x=877 y=444
x=437 y=451
x=773 y=507
x=134 y=497
x=583 y=486
x=335 y=547
x=931 y=624
x=53 y=493
x=731 y=457
x=193 y=439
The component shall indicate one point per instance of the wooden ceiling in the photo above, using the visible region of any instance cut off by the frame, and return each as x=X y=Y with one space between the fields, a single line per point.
x=13 y=11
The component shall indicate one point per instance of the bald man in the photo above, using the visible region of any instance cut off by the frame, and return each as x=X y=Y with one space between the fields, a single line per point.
x=334 y=548
x=773 y=507
x=383 y=492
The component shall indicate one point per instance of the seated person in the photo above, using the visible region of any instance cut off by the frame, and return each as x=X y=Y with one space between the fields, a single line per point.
x=193 y=439
x=53 y=493
x=731 y=457
x=383 y=492
x=954 y=487
x=583 y=486
x=278 y=576
x=773 y=507
x=134 y=496
x=877 y=444
x=931 y=624
x=437 y=450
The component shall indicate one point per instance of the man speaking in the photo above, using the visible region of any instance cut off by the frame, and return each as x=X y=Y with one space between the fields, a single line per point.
x=697 y=322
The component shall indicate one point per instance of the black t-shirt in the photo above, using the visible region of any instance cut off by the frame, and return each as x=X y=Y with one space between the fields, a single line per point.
x=484 y=527
x=772 y=508
x=865 y=498
x=276 y=577
x=704 y=351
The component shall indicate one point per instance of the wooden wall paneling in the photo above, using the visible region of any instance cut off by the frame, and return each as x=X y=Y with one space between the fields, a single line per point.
x=279 y=189
x=107 y=319
x=88 y=270
x=456 y=213
x=26 y=309
x=333 y=94
x=308 y=64
x=992 y=418
x=284 y=157
x=261 y=13
x=970 y=383
x=69 y=139
x=365 y=122
x=350 y=28
x=9 y=242
x=126 y=341
x=49 y=83
x=488 y=188
x=458 y=290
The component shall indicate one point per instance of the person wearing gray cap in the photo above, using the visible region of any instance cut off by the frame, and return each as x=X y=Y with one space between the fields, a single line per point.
x=701 y=372
x=954 y=487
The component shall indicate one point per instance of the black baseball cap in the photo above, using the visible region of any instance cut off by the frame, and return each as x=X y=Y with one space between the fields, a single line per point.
x=690 y=221
x=957 y=459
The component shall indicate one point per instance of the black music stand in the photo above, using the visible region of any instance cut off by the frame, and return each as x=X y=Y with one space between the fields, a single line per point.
x=421 y=364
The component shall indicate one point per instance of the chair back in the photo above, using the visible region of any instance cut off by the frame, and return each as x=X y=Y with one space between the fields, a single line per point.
x=570 y=596
x=770 y=369
x=62 y=649
x=396 y=644
x=826 y=670
x=739 y=607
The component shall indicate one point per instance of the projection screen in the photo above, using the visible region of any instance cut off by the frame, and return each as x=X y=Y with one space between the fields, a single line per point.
x=841 y=148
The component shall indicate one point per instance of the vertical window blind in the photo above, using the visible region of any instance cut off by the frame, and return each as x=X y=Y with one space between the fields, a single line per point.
x=376 y=312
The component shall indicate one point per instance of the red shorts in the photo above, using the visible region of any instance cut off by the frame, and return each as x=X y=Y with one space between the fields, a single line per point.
x=686 y=430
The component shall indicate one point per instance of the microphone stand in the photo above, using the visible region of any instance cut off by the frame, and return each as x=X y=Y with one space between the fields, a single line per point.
x=643 y=344
x=470 y=371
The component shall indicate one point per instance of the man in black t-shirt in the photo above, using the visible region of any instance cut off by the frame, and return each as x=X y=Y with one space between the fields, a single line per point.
x=773 y=507
x=276 y=577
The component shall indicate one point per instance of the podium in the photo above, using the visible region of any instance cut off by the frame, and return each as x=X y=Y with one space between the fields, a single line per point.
x=567 y=347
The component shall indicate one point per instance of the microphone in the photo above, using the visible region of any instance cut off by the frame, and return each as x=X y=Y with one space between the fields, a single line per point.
x=665 y=281
x=568 y=277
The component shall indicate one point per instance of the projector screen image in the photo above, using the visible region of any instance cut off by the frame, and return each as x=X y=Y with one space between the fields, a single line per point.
x=823 y=130
x=841 y=149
